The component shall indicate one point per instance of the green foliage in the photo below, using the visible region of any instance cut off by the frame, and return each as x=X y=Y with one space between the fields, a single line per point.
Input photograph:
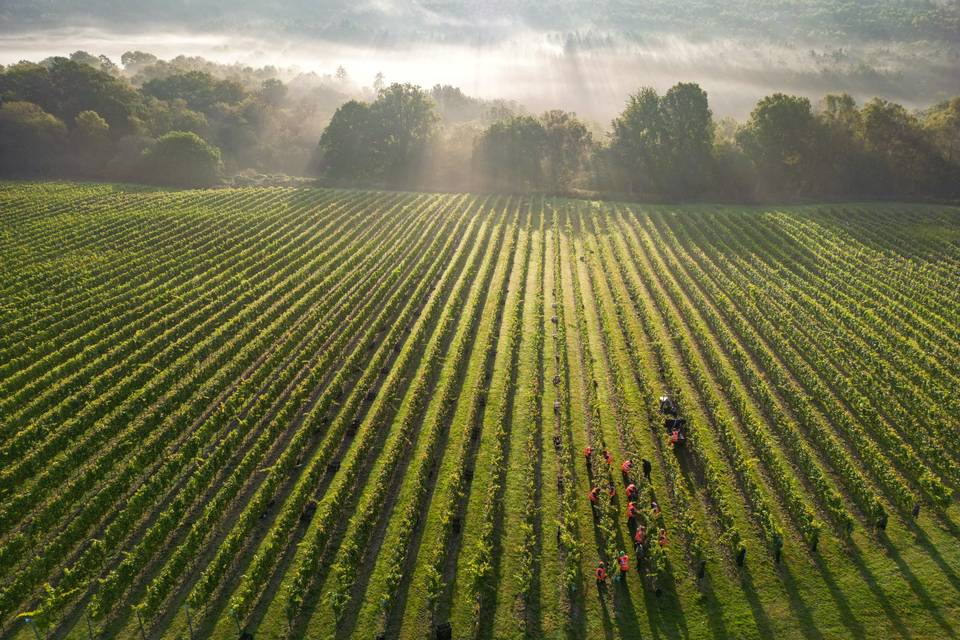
x=942 y=122
x=198 y=89
x=520 y=152
x=383 y=141
x=161 y=116
x=65 y=88
x=636 y=140
x=453 y=105
x=347 y=145
x=171 y=439
x=910 y=162
x=687 y=142
x=510 y=152
x=182 y=159
x=567 y=149
x=659 y=147
x=663 y=145
x=32 y=139
x=781 y=139
x=273 y=91
x=90 y=142
x=132 y=60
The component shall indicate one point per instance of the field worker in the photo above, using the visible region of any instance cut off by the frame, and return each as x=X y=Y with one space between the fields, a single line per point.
x=607 y=456
x=674 y=437
x=594 y=494
x=601 y=574
x=631 y=491
x=624 y=561
x=640 y=537
x=646 y=469
x=640 y=551
x=626 y=467
x=655 y=508
x=631 y=511
x=612 y=492
x=662 y=538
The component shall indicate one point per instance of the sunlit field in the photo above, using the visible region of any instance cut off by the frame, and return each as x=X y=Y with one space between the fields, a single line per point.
x=333 y=413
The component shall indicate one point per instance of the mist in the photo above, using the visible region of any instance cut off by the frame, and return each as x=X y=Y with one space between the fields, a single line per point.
x=540 y=58
x=271 y=92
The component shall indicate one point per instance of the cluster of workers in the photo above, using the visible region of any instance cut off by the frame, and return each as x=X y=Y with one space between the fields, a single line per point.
x=641 y=525
x=640 y=520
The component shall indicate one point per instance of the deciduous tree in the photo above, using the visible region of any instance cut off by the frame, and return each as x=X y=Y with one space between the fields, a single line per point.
x=181 y=158
x=780 y=138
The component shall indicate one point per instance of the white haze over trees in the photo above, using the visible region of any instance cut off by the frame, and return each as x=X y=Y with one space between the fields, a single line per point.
x=580 y=56
x=652 y=99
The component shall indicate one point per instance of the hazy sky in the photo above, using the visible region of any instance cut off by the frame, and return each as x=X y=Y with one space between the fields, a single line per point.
x=583 y=55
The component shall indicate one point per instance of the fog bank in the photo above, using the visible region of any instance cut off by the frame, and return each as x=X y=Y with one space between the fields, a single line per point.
x=588 y=72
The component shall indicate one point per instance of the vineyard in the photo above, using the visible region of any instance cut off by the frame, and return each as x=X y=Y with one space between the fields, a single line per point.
x=287 y=413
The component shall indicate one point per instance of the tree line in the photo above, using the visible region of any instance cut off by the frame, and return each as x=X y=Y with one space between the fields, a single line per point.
x=185 y=121
x=667 y=147
x=166 y=124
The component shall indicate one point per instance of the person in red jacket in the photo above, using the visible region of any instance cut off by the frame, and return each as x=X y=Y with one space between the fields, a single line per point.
x=601 y=574
x=607 y=456
x=587 y=452
x=631 y=511
x=662 y=538
x=594 y=495
x=640 y=537
x=624 y=561
x=626 y=467
x=631 y=491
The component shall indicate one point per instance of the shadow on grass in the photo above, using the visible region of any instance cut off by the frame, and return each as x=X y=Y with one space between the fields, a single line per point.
x=598 y=540
x=488 y=606
x=625 y=613
x=756 y=607
x=931 y=548
x=930 y=607
x=857 y=560
x=664 y=612
x=605 y=613
x=799 y=607
x=577 y=627
x=708 y=599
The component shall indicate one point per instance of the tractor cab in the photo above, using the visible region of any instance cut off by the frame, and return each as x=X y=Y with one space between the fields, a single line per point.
x=667 y=406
